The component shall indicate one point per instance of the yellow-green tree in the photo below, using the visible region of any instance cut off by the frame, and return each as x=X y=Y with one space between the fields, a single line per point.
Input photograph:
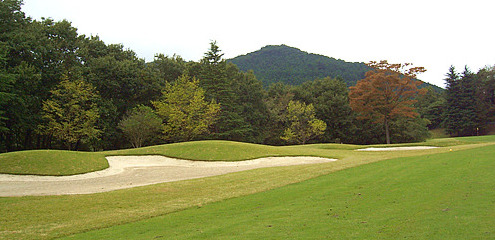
x=71 y=113
x=303 y=124
x=185 y=112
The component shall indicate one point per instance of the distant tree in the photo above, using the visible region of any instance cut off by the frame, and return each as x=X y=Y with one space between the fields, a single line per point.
x=485 y=93
x=387 y=91
x=431 y=106
x=330 y=97
x=405 y=129
x=71 y=113
x=277 y=99
x=462 y=111
x=6 y=85
x=168 y=68
x=123 y=81
x=217 y=78
x=249 y=103
x=140 y=125
x=303 y=124
x=185 y=112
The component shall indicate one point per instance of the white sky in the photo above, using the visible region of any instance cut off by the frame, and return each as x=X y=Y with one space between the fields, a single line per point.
x=430 y=33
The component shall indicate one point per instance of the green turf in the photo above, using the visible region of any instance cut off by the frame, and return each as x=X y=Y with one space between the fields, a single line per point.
x=443 y=196
x=56 y=216
x=51 y=162
x=58 y=162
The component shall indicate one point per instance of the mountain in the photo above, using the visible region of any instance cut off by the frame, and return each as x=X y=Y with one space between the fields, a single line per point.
x=281 y=63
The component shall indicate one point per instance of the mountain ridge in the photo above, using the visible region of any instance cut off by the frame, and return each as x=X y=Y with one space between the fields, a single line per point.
x=290 y=65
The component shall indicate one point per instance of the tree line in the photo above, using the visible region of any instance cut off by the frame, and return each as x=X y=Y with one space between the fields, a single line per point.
x=60 y=89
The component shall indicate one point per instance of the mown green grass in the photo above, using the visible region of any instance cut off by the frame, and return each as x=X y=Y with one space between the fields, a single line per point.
x=56 y=216
x=57 y=162
x=443 y=196
x=51 y=162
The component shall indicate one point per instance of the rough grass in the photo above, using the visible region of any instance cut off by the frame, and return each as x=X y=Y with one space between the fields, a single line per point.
x=438 y=133
x=441 y=196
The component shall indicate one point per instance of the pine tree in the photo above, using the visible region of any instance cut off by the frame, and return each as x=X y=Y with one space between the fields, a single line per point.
x=215 y=79
x=461 y=114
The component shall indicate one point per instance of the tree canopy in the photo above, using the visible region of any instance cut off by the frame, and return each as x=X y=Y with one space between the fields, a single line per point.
x=71 y=113
x=185 y=112
x=388 y=91
x=303 y=124
x=140 y=125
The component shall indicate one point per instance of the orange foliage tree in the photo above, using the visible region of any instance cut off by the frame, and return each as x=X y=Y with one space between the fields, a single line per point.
x=387 y=91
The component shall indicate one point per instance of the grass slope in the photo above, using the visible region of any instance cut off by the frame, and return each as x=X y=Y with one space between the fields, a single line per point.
x=57 y=162
x=443 y=196
x=51 y=162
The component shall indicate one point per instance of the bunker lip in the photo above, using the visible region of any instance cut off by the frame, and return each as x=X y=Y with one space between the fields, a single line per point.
x=132 y=171
x=396 y=148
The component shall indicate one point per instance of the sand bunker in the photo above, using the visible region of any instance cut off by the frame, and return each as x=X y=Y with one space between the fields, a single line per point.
x=396 y=148
x=133 y=171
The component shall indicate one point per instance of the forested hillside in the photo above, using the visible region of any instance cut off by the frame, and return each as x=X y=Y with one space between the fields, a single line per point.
x=289 y=65
x=281 y=63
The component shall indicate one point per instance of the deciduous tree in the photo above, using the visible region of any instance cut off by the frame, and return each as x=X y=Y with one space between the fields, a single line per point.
x=303 y=124
x=71 y=113
x=330 y=97
x=185 y=112
x=140 y=125
x=387 y=91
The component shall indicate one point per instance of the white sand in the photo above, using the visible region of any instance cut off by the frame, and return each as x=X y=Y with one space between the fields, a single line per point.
x=133 y=171
x=396 y=148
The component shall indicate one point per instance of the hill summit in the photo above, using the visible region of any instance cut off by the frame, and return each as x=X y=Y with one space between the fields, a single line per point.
x=281 y=63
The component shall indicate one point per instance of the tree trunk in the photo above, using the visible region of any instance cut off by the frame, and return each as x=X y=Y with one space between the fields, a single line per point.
x=387 y=132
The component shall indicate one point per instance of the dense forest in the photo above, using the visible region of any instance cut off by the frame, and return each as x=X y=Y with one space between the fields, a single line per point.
x=289 y=65
x=63 y=90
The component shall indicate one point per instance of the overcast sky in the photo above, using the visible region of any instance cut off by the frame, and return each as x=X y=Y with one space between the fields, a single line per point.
x=428 y=33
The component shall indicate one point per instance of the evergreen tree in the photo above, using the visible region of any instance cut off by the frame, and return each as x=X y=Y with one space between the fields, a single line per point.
x=431 y=106
x=461 y=116
x=486 y=95
x=218 y=84
x=250 y=106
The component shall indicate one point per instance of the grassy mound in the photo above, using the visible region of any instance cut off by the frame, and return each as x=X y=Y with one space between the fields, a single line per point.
x=60 y=163
x=51 y=162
